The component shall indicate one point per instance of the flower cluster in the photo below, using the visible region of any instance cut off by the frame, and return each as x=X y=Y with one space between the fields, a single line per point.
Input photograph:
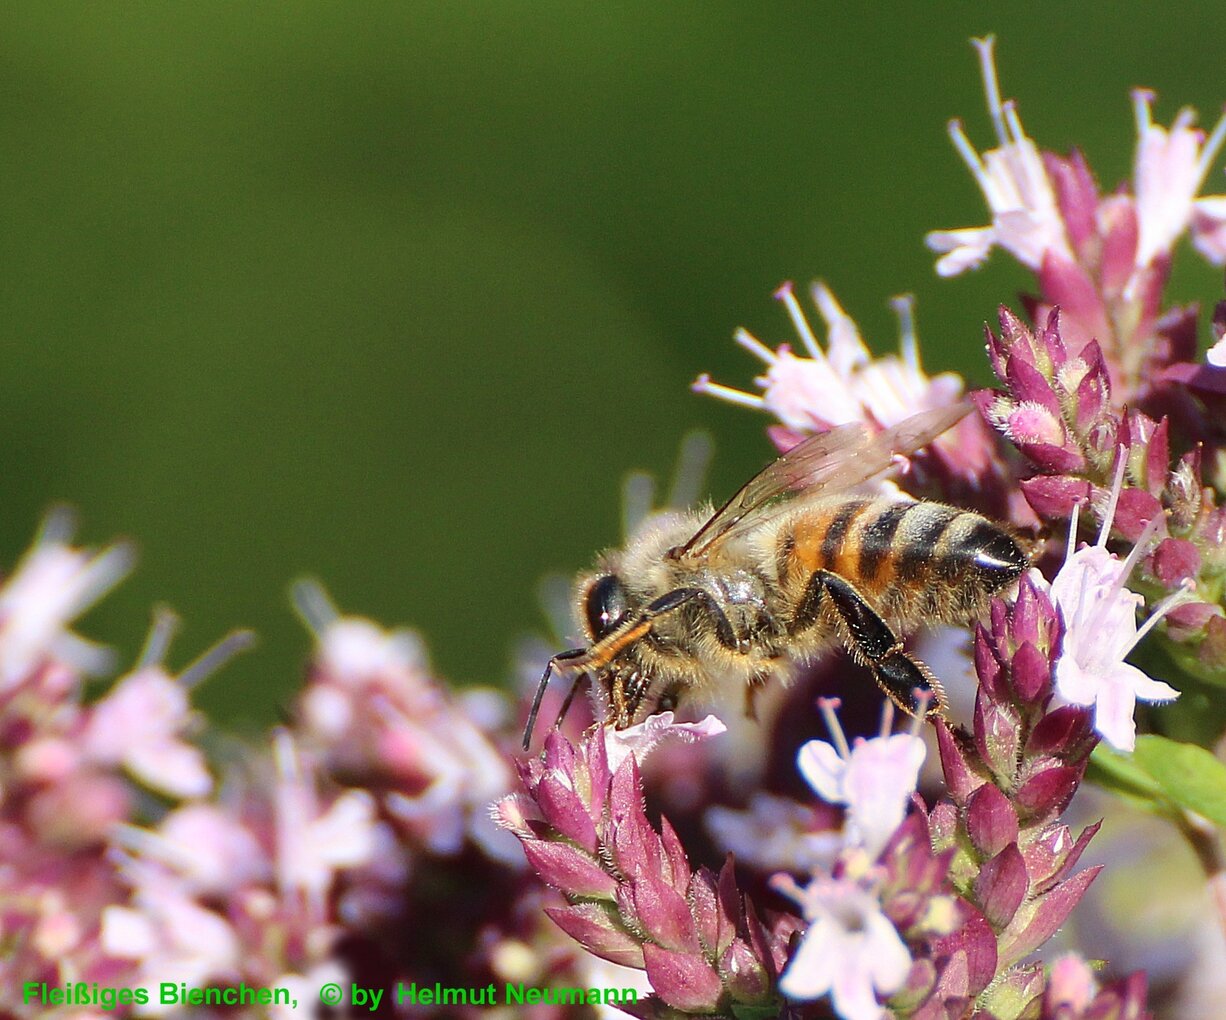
x=842 y=383
x=125 y=859
x=883 y=923
x=1009 y=780
x=1059 y=410
x=1103 y=259
x=632 y=897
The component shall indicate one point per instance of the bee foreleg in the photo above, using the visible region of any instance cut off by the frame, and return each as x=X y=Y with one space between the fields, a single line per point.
x=875 y=644
x=678 y=597
x=570 y=696
x=563 y=660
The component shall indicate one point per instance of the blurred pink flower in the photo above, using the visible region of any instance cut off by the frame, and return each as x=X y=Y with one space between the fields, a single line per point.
x=843 y=383
x=1071 y=984
x=875 y=778
x=314 y=843
x=850 y=950
x=170 y=936
x=205 y=846
x=1170 y=168
x=1043 y=220
x=52 y=586
x=371 y=709
x=138 y=723
x=774 y=834
x=1026 y=219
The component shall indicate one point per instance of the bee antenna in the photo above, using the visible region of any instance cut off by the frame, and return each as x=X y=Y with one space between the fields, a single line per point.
x=534 y=711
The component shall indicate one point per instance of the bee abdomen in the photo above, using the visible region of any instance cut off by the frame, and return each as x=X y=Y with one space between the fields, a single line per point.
x=913 y=560
x=877 y=539
x=918 y=540
x=951 y=561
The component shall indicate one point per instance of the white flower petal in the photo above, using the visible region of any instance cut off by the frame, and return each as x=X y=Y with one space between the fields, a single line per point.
x=889 y=959
x=170 y=766
x=642 y=737
x=824 y=770
x=1216 y=355
x=1145 y=687
x=853 y=996
x=962 y=249
x=1075 y=685
x=810 y=973
x=881 y=776
x=1209 y=228
x=1113 y=716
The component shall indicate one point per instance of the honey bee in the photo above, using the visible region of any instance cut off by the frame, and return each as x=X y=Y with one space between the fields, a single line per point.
x=699 y=603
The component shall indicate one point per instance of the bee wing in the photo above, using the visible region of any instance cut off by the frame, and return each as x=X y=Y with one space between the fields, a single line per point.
x=842 y=458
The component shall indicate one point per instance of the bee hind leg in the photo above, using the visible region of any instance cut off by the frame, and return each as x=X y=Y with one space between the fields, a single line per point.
x=874 y=643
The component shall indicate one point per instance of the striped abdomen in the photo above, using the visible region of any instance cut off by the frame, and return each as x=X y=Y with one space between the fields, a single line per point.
x=911 y=561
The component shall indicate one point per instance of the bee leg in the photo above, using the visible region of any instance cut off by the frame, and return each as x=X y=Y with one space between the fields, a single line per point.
x=876 y=645
x=678 y=597
x=625 y=703
x=561 y=661
x=570 y=696
x=752 y=690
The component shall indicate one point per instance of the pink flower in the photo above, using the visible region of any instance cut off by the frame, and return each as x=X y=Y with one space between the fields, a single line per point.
x=209 y=851
x=137 y=725
x=1026 y=218
x=774 y=834
x=1169 y=169
x=372 y=710
x=1101 y=629
x=842 y=383
x=875 y=778
x=174 y=937
x=638 y=740
x=139 y=722
x=314 y=843
x=1039 y=219
x=850 y=951
x=52 y=586
x=1071 y=985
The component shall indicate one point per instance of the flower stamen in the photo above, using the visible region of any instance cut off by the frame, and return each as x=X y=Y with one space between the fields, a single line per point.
x=755 y=346
x=991 y=84
x=704 y=385
x=787 y=294
x=829 y=709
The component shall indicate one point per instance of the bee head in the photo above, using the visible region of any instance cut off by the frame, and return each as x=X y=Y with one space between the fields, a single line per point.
x=604 y=605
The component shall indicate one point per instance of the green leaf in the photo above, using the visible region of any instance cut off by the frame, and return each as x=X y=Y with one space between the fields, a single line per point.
x=744 y=1012
x=1189 y=775
x=1123 y=776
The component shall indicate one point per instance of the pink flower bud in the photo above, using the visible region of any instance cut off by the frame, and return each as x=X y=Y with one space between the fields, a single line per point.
x=1174 y=560
x=568 y=869
x=1001 y=886
x=991 y=821
x=686 y=981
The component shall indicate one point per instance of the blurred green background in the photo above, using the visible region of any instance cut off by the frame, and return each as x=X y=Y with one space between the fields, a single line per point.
x=394 y=294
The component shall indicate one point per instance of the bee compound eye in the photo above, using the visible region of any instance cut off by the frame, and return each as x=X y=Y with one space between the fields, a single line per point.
x=604 y=605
